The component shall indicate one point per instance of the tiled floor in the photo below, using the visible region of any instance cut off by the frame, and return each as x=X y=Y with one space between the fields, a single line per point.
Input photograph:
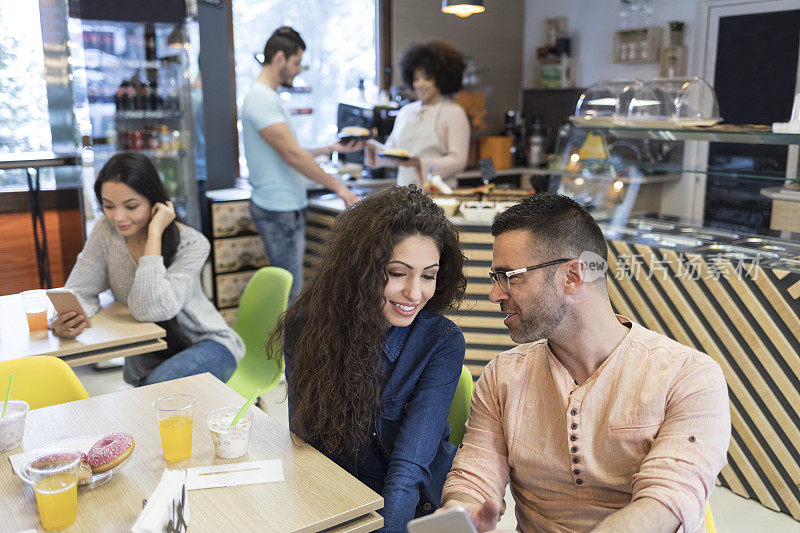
x=732 y=513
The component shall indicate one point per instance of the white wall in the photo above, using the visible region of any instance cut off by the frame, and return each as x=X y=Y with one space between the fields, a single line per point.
x=591 y=24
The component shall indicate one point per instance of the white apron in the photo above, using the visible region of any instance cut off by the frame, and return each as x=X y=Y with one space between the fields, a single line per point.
x=418 y=138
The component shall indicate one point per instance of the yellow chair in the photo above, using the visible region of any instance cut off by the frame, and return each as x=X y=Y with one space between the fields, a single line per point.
x=709 y=520
x=41 y=381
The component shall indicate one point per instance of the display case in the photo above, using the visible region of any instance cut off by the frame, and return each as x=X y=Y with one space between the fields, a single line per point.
x=609 y=170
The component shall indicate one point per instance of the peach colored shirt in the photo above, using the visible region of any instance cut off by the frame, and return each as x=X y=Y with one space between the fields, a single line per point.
x=653 y=421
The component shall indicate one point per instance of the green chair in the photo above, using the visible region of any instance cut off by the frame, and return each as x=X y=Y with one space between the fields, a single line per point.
x=263 y=301
x=459 y=409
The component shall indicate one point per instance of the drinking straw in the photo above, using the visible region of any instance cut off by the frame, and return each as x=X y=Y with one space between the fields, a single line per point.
x=8 y=395
x=246 y=406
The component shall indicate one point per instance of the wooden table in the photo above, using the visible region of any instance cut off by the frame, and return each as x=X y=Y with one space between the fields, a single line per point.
x=114 y=333
x=315 y=496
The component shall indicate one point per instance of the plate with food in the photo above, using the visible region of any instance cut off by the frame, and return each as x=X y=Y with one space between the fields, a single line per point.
x=395 y=153
x=101 y=457
x=354 y=133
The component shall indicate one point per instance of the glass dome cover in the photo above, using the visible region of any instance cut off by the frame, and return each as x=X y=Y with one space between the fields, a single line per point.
x=677 y=101
x=597 y=105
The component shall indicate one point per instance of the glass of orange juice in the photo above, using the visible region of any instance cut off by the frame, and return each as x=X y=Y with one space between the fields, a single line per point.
x=175 y=421
x=35 y=304
x=54 y=474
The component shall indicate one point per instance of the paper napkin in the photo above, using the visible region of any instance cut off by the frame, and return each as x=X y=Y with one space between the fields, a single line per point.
x=233 y=474
x=167 y=509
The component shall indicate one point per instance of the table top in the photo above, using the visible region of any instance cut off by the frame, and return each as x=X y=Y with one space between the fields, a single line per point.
x=38 y=160
x=114 y=333
x=316 y=494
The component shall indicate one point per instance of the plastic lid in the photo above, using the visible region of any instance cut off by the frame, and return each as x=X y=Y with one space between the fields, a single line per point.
x=672 y=99
x=599 y=102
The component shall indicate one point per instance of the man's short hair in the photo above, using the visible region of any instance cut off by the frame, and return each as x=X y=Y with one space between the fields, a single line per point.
x=284 y=39
x=559 y=225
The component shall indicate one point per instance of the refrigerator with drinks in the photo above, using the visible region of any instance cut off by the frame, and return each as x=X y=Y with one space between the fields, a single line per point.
x=130 y=68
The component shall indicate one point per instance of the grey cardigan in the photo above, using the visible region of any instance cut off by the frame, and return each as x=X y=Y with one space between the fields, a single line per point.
x=152 y=292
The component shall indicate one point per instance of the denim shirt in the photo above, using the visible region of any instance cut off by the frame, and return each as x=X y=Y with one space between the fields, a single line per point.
x=410 y=454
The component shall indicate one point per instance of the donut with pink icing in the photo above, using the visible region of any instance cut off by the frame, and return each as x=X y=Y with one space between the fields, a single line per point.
x=110 y=451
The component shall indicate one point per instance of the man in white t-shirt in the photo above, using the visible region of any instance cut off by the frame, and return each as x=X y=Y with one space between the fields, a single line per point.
x=277 y=163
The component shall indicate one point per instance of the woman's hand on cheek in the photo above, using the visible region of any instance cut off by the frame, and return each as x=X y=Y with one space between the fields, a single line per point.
x=161 y=216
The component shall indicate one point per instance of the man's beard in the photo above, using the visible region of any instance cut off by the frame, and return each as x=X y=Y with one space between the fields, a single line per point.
x=538 y=316
x=286 y=79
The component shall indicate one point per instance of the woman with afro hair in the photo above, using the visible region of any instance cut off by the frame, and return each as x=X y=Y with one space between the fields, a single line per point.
x=434 y=130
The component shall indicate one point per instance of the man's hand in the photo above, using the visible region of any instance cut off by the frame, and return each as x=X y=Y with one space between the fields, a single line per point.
x=349 y=146
x=348 y=196
x=484 y=517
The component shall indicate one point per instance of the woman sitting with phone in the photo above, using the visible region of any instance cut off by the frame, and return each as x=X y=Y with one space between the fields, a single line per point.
x=371 y=364
x=151 y=261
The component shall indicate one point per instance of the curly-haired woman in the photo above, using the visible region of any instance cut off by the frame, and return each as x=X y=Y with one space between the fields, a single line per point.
x=434 y=130
x=371 y=364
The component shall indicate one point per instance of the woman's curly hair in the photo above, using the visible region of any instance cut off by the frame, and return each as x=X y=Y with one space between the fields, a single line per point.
x=437 y=60
x=336 y=328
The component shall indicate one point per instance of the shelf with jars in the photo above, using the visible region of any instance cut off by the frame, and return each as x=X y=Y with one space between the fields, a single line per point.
x=637 y=45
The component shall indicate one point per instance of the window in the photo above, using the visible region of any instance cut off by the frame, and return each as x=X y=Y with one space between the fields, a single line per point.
x=340 y=36
x=24 y=118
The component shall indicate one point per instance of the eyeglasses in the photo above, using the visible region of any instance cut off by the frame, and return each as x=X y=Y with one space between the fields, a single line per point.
x=503 y=278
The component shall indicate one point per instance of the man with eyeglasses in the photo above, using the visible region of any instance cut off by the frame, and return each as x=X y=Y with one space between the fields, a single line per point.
x=598 y=423
x=277 y=164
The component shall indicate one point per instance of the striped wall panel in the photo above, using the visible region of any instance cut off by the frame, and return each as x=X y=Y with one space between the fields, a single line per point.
x=750 y=324
x=746 y=318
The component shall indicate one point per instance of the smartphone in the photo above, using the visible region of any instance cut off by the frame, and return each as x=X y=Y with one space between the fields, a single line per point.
x=452 y=520
x=64 y=300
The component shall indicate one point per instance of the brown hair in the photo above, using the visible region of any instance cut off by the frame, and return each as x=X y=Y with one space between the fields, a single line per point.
x=560 y=225
x=336 y=328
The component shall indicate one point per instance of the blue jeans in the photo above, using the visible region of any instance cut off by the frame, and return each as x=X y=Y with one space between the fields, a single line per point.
x=205 y=356
x=284 y=236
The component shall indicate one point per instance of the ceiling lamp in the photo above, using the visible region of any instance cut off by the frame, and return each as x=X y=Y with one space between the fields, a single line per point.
x=462 y=8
